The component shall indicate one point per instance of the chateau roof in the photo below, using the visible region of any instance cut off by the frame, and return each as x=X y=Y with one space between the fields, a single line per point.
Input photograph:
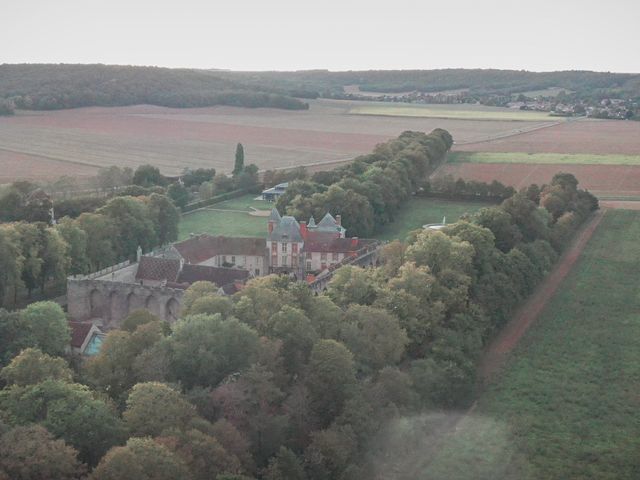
x=275 y=215
x=203 y=247
x=156 y=268
x=218 y=275
x=327 y=221
x=287 y=230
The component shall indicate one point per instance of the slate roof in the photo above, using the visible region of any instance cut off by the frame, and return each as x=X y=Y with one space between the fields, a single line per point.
x=159 y=269
x=287 y=230
x=275 y=215
x=328 y=224
x=202 y=247
x=218 y=275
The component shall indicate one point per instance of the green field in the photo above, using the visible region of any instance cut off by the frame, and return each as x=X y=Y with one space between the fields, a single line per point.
x=451 y=112
x=542 y=158
x=236 y=222
x=567 y=404
x=419 y=211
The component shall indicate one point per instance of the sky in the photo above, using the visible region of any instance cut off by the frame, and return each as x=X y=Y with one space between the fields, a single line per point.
x=539 y=35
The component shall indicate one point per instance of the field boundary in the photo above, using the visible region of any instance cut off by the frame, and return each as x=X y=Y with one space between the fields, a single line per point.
x=513 y=133
x=496 y=354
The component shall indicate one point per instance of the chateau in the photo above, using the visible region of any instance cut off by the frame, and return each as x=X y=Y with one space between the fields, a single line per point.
x=156 y=281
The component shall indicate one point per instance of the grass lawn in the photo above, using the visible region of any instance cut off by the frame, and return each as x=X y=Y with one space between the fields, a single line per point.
x=419 y=211
x=549 y=158
x=567 y=404
x=245 y=202
x=451 y=112
x=231 y=223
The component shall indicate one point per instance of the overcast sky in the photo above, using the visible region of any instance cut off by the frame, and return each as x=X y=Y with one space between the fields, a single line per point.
x=544 y=35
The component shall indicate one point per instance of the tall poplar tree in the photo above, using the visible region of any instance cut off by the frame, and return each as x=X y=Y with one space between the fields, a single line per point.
x=238 y=167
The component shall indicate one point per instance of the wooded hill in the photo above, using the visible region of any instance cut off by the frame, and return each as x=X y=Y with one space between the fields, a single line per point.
x=51 y=87
x=477 y=81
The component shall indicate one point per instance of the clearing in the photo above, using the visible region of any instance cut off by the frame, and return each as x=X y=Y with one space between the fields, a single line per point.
x=566 y=404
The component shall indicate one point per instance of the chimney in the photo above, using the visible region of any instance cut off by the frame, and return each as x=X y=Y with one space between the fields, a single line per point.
x=271 y=222
x=354 y=242
x=303 y=229
x=339 y=219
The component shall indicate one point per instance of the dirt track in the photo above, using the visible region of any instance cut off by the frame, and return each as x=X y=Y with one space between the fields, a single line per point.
x=509 y=337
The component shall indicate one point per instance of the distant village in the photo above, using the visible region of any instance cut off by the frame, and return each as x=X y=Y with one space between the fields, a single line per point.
x=560 y=104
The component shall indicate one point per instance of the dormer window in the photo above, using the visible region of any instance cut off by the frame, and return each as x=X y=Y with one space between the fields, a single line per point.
x=284 y=247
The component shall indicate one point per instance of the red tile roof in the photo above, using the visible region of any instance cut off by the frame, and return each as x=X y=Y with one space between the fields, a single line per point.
x=156 y=268
x=79 y=332
x=336 y=245
x=203 y=247
x=218 y=275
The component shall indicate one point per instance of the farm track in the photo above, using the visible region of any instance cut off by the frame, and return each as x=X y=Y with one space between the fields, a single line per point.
x=495 y=356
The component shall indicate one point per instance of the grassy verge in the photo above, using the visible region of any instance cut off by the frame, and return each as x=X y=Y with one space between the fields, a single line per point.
x=419 y=211
x=566 y=406
x=543 y=158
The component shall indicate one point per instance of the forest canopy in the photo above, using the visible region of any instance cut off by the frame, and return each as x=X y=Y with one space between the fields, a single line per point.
x=53 y=87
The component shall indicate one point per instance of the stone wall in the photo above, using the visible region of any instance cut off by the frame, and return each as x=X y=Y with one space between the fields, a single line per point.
x=107 y=303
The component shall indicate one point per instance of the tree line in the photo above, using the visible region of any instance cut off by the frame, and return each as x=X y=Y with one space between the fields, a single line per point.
x=479 y=84
x=275 y=382
x=53 y=87
x=447 y=186
x=369 y=191
x=34 y=254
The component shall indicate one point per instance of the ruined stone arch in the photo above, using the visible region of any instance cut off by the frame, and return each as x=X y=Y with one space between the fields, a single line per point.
x=96 y=303
x=115 y=308
x=133 y=302
x=172 y=308
x=153 y=305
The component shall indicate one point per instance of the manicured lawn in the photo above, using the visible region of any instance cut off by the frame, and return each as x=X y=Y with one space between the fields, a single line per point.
x=567 y=403
x=461 y=112
x=246 y=202
x=419 y=211
x=231 y=224
x=542 y=158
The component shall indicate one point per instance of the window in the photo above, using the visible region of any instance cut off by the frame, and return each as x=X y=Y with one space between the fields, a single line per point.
x=294 y=248
x=274 y=247
x=284 y=261
x=334 y=257
x=308 y=266
x=233 y=259
x=257 y=272
x=323 y=257
x=294 y=261
x=284 y=247
x=224 y=259
x=308 y=255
